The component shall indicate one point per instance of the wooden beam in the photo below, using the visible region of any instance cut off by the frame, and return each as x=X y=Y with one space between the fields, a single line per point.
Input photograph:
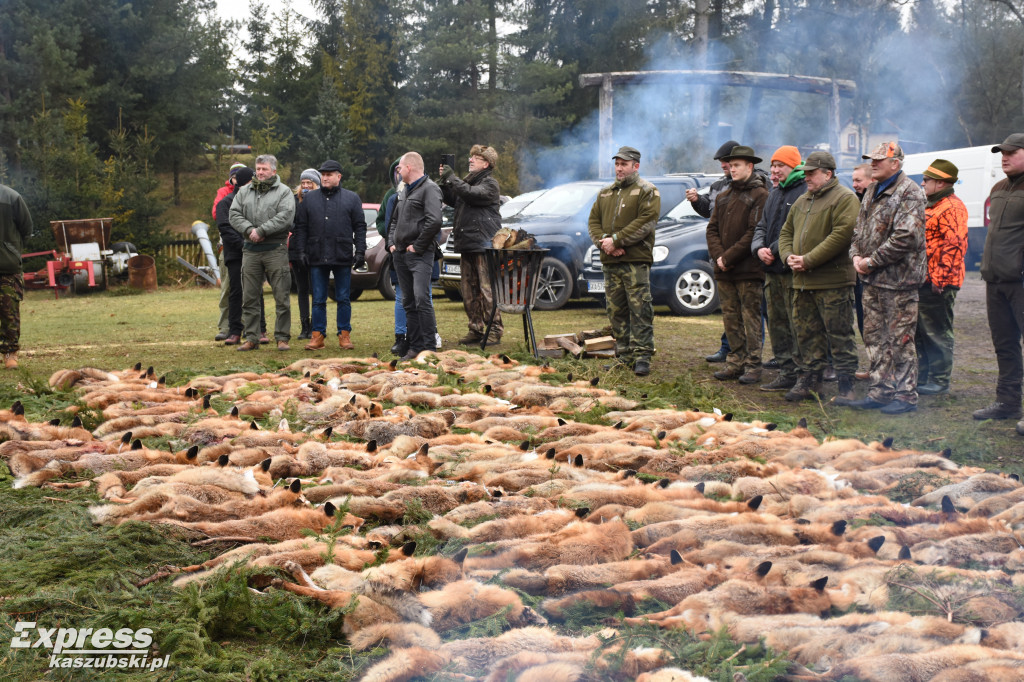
x=749 y=79
x=605 y=165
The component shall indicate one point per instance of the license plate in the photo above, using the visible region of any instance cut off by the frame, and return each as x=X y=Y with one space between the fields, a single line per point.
x=595 y=286
x=452 y=269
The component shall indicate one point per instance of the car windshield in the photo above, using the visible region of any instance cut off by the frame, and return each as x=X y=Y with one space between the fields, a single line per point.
x=566 y=200
x=683 y=210
x=516 y=204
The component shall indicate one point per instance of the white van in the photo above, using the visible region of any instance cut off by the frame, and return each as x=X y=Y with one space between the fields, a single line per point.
x=978 y=169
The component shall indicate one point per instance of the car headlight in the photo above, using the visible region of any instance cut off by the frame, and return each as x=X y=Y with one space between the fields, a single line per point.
x=372 y=239
x=660 y=253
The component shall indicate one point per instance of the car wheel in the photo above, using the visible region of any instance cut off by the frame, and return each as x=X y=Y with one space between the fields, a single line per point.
x=453 y=293
x=384 y=285
x=694 y=290
x=554 y=286
x=353 y=294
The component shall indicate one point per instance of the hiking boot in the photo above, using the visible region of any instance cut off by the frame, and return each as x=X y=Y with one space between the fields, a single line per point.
x=345 y=340
x=317 y=343
x=307 y=329
x=771 y=364
x=727 y=374
x=932 y=389
x=264 y=338
x=438 y=342
x=471 y=339
x=781 y=383
x=642 y=368
x=233 y=340
x=846 y=395
x=494 y=338
x=751 y=376
x=248 y=345
x=221 y=336
x=807 y=384
x=998 y=410
x=283 y=345
x=829 y=374
x=717 y=357
x=899 y=407
x=11 y=360
x=401 y=346
x=410 y=355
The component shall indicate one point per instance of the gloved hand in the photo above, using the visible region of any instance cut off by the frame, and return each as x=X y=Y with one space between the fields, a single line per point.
x=304 y=259
x=359 y=263
x=446 y=173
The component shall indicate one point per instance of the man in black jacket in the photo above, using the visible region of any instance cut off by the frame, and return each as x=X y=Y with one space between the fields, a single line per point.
x=330 y=235
x=778 y=278
x=476 y=199
x=415 y=222
x=232 y=242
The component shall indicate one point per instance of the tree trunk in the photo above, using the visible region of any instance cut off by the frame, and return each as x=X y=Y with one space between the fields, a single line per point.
x=492 y=45
x=176 y=166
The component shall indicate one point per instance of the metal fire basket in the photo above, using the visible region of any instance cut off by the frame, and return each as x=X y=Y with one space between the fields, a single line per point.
x=514 y=276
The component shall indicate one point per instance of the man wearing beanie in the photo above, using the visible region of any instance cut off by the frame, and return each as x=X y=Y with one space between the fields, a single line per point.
x=621 y=226
x=703 y=204
x=888 y=251
x=945 y=233
x=330 y=235
x=815 y=243
x=262 y=212
x=476 y=199
x=740 y=279
x=778 y=278
x=1001 y=264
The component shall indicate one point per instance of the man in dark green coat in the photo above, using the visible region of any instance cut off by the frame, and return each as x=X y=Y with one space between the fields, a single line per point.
x=815 y=243
x=15 y=229
x=621 y=225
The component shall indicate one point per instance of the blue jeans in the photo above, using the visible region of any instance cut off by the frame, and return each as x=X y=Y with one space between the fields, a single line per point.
x=319 y=277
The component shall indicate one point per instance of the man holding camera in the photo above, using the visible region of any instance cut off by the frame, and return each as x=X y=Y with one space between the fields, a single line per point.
x=476 y=199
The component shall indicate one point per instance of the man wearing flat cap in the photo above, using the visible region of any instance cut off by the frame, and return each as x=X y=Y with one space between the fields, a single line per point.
x=1001 y=265
x=945 y=233
x=815 y=243
x=330 y=236
x=889 y=254
x=739 y=275
x=621 y=226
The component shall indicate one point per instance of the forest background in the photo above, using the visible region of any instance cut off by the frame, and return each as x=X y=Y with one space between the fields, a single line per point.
x=101 y=101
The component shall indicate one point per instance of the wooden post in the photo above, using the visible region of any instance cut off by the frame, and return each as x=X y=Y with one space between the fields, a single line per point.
x=606 y=118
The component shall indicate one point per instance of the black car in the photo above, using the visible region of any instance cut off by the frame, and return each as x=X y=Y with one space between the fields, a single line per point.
x=558 y=219
x=681 y=276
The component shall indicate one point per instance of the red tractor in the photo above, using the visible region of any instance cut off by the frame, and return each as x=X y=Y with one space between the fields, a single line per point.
x=85 y=263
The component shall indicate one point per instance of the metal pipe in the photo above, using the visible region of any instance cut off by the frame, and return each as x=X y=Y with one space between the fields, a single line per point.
x=200 y=230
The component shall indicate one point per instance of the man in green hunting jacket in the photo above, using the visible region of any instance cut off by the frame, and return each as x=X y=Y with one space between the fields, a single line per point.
x=15 y=230
x=815 y=243
x=621 y=225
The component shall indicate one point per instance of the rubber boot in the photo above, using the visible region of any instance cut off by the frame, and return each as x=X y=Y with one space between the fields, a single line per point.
x=307 y=329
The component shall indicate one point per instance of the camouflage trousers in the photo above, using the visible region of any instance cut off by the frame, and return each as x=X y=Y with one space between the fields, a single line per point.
x=627 y=291
x=823 y=319
x=741 y=315
x=778 y=294
x=477 y=298
x=12 y=292
x=934 y=339
x=890 y=324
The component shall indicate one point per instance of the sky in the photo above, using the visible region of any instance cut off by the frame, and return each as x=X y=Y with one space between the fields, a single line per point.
x=239 y=9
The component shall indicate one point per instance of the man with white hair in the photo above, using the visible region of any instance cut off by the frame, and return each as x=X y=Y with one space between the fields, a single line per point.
x=889 y=254
x=262 y=213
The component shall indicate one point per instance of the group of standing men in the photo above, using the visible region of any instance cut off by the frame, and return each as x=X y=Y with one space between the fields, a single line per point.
x=268 y=231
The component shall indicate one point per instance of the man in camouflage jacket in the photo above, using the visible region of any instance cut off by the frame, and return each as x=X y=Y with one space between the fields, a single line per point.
x=889 y=254
x=15 y=230
x=621 y=225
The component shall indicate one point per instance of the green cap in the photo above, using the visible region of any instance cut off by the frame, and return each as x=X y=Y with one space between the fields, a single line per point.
x=627 y=154
x=1015 y=141
x=822 y=160
x=940 y=169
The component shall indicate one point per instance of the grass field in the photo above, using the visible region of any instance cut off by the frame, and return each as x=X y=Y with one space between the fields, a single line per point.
x=60 y=571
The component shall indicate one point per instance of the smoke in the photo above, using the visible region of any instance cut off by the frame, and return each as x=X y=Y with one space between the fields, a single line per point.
x=905 y=89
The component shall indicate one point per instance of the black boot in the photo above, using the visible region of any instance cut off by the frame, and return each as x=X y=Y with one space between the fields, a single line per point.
x=307 y=329
x=401 y=346
x=846 y=395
